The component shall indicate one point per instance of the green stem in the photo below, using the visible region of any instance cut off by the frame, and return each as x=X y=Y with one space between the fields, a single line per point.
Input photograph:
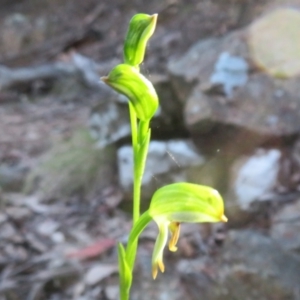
x=137 y=229
x=135 y=146
x=140 y=144
x=143 y=138
x=133 y=123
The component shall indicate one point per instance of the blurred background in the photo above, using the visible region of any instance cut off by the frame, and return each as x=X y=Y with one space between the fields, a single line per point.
x=227 y=73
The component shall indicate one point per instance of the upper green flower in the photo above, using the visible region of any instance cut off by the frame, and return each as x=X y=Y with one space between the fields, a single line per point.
x=141 y=28
x=177 y=203
x=128 y=81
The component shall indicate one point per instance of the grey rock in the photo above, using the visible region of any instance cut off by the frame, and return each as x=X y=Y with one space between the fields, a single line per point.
x=12 y=177
x=9 y=233
x=225 y=100
x=252 y=182
x=260 y=110
x=99 y=272
x=257 y=176
x=255 y=267
x=47 y=227
x=250 y=266
x=166 y=163
x=109 y=122
x=230 y=72
x=198 y=64
x=286 y=226
x=18 y=213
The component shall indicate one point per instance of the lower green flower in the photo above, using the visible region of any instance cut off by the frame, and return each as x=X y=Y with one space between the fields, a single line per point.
x=177 y=203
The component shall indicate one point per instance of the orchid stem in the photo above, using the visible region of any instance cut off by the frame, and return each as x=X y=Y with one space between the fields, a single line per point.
x=140 y=144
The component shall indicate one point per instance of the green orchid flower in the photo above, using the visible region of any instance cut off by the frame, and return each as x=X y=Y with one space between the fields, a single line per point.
x=172 y=205
x=141 y=28
x=177 y=203
x=137 y=88
x=181 y=202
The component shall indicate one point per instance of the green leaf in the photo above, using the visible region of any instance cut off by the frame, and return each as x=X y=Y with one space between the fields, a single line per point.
x=135 y=232
x=128 y=81
x=125 y=273
x=141 y=28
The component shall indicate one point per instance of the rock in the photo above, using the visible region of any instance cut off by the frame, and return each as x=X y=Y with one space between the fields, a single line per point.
x=252 y=180
x=58 y=237
x=3 y=217
x=279 y=31
x=254 y=267
x=112 y=292
x=99 y=272
x=15 y=253
x=109 y=122
x=286 y=226
x=18 y=213
x=257 y=176
x=9 y=233
x=165 y=164
x=230 y=72
x=250 y=266
x=12 y=177
x=259 y=112
x=226 y=99
x=48 y=227
x=252 y=10
x=200 y=61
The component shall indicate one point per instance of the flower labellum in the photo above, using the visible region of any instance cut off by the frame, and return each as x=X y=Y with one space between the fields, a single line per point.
x=141 y=28
x=137 y=88
x=177 y=203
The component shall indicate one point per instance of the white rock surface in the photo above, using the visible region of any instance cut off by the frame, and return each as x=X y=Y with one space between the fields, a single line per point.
x=163 y=157
x=230 y=72
x=256 y=177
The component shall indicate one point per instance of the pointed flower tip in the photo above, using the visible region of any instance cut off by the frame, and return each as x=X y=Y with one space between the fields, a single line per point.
x=154 y=273
x=154 y=18
x=172 y=248
x=224 y=218
x=158 y=265
x=104 y=78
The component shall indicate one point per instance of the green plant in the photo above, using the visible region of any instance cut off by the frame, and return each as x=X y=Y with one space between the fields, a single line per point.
x=172 y=204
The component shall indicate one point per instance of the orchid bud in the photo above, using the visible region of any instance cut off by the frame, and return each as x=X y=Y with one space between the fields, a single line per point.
x=137 y=88
x=141 y=28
